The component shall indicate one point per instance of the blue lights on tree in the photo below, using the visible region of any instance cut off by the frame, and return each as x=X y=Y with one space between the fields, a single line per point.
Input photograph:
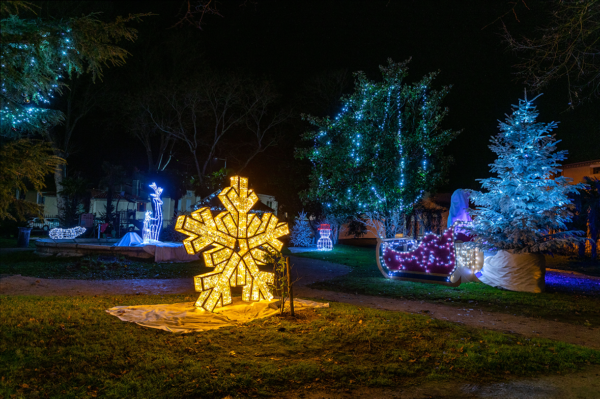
x=383 y=151
x=301 y=232
x=524 y=208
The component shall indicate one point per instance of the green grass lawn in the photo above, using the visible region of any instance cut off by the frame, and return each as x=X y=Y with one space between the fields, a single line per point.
x=95 y=267
x=12 y=243
x=365 y=278
x=70 y=347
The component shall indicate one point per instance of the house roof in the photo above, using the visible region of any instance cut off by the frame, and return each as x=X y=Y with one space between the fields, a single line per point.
x=102 y=194
x=215 y=205
x=581 y=164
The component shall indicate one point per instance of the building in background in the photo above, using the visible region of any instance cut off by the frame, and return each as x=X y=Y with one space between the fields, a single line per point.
x=269 y=201
x=577 y=171
x=132 y=201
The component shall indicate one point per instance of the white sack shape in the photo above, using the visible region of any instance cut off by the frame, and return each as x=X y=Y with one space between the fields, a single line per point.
x=516 y=272
x=459 y=203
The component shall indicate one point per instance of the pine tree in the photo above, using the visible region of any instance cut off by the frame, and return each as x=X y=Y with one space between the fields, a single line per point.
x=37 y=55
x=383 y=151
x=524 y=209
x=301 y=232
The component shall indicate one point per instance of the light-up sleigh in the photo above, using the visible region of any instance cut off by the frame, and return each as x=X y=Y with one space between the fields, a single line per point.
x=433 y=259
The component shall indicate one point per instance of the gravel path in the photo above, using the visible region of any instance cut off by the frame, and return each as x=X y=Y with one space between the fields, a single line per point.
x=307 y=272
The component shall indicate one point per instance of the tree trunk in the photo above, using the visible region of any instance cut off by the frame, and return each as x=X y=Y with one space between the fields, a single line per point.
x=109 y=195
x=416 y=227
x=59 y=174
x=151 y=167
x=335 y=233
x=581 y=249
x=198 y=171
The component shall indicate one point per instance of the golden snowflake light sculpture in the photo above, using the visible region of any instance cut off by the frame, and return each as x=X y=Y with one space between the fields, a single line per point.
x=239 y=241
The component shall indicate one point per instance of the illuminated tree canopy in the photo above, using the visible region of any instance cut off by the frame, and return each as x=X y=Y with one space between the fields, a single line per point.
x=36 y=57
x=384 y=150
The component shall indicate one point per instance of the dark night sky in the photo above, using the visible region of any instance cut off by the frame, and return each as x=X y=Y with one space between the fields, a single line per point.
x=290 y=41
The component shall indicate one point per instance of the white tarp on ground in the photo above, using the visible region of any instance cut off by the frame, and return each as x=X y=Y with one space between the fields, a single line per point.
x=185 y=318
x=170 y=252
x=130 y=239
x=515 y=272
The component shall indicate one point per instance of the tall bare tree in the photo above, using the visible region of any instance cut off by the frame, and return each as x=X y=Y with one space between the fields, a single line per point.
x=81 y=97
x=198 y=113
x=568 y=48
x=264 y=120
x=159 y=144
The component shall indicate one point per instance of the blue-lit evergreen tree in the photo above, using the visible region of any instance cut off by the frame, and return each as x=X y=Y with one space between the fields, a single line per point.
x=382 y=152
x=301 y=232
x=524 y=208
x=36 y=57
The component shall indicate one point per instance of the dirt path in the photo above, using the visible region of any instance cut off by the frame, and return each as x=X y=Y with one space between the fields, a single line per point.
x=580 y=385
x=309 y=271
x=584 y=384
x=20 y=285
x=471 y=316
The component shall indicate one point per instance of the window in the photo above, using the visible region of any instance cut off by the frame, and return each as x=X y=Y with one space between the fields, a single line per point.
x=141 y=207
x=596 y=170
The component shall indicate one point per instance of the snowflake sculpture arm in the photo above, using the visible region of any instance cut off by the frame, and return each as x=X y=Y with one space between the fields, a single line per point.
x=237 y=239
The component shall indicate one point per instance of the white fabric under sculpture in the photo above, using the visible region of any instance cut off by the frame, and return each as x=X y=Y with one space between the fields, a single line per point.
x=459 y=204
x=516 y=272
x=169 y=252
x=131 y=239
x=185 y=318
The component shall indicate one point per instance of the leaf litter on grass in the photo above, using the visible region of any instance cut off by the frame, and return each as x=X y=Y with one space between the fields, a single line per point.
x=324 y=348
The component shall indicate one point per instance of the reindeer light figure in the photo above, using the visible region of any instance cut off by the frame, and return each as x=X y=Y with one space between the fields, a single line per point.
x=153 y=225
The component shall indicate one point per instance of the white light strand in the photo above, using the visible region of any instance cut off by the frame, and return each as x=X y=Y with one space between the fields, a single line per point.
x=66 y=234
x=153 y=226
x=324 y=243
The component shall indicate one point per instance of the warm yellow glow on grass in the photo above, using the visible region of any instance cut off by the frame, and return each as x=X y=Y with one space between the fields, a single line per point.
x=238 y=242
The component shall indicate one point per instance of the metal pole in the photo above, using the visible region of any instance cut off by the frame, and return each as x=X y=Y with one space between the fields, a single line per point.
x=289 y=282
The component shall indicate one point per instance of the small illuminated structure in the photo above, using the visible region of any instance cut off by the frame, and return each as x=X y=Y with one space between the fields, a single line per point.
x=470 y=258
x=324 y=243
x=238 y=242
x=152 y=226
x=66 y=234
